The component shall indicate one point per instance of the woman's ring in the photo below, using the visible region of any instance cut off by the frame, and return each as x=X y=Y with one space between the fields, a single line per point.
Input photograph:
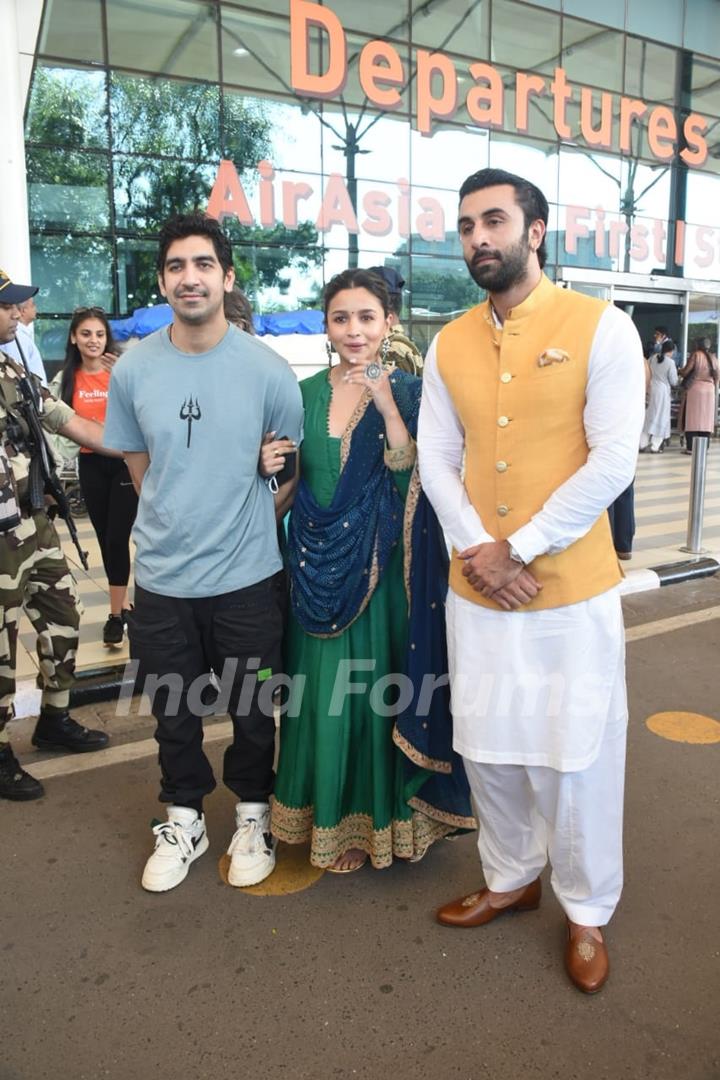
x=373 y=371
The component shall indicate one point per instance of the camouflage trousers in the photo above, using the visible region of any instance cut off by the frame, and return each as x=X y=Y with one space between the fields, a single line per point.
x=35 y=577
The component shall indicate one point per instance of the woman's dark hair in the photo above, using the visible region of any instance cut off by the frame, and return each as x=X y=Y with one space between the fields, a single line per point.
x=529 y=198
x=667 y=349
x=236 y=307
x=357 y=279
x=73 y=360
x=699 y=346
x=649 y=350
x=181 y=226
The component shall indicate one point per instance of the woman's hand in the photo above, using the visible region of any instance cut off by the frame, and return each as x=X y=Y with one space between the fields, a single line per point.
x=396 y=434
x=380 y=388
x=108 y=360
x=272 y=454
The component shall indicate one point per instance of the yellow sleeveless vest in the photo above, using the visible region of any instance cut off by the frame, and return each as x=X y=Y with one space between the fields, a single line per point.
x=524 y=433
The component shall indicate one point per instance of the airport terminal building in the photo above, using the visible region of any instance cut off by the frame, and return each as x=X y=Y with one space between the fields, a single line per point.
x=336 y=134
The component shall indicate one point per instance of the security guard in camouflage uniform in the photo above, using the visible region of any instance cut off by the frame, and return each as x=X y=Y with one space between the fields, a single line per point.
x=403 y=351
x=34 y=575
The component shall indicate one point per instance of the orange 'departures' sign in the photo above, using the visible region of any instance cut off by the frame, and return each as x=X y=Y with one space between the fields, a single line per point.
x=606 y=120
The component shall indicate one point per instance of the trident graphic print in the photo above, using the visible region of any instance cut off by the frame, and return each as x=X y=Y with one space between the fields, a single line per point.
x=190 y=410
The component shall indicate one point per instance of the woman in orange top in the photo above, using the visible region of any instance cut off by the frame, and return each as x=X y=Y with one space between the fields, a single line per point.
x=105 y=481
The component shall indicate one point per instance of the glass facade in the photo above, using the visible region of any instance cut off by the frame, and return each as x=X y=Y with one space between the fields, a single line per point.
x=140 y=109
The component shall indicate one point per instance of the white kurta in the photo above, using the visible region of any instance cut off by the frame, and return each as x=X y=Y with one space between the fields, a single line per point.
x=538 y=687
x=663 y=376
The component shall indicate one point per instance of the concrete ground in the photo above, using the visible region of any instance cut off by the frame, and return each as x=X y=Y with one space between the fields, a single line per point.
x=350 y=976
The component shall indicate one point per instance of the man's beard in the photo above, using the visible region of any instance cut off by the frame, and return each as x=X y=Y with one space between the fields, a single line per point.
x=510 y=269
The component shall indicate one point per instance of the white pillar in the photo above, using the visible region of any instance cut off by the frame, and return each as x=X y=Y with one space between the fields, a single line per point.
x=14 y=229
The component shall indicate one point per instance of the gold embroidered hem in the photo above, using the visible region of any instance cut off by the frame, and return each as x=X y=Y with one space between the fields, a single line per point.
x=417 y=758
x=400 y=839
x=457 y=821
x=400 y=458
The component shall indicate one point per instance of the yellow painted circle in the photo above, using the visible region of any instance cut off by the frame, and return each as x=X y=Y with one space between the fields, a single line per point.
x=685 y=727
x=292 y=873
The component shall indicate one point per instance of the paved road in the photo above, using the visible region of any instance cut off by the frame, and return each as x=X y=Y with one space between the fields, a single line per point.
x=351 y=977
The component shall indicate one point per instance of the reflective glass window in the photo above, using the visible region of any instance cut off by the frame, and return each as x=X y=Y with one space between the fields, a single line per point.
x=164 y=116
x=69 y=189
x=441 y=289
x=592 y=55
x=177 y=37
x=525 y=38
x=702 y=25
x=71 y=271
x=458 y=26
x=451 y=154
x=538 y=161
x=589 y=179
x=256 y=51
x=383 y=19
x=610 y=13
x=661 y=20
x=646 y=189
x=374 y=146
x=706 y=86
x=73 y=30
x=283 y=132
x=704 y=319
x=50 y=338
x=650 y=70
x=149 y=190
x=67 y=108
x=137 y=276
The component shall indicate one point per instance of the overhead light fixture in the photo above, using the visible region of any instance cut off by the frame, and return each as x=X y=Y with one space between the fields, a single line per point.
x=240 y=51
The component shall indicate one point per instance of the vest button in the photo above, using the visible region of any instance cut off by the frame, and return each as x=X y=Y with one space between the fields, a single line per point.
x=503 y=510
x=501 y=466
x=503 y=421
x=505 y=377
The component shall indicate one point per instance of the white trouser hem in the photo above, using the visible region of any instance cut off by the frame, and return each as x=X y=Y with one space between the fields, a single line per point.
x=497 y=883
x=587 y=914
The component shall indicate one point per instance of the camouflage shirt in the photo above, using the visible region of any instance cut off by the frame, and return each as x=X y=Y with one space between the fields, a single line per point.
x=403 y=351
x=55 y=414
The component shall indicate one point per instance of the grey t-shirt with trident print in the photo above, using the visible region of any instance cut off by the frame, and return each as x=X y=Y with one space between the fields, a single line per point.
x=206 y=520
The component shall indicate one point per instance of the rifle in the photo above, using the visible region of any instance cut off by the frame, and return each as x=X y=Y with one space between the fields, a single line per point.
x=43 y=479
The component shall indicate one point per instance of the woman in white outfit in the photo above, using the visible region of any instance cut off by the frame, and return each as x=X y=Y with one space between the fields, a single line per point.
x=663 y=376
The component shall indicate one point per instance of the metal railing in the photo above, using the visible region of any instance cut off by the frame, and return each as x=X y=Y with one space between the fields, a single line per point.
x=696 y=505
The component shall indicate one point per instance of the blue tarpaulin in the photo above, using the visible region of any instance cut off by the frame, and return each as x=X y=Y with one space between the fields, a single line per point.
x=145 y=320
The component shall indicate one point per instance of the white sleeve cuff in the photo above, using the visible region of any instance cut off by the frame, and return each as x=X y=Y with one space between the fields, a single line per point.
x=529 y=542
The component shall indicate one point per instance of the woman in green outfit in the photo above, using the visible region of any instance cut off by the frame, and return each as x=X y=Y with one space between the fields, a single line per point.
x=351 y=780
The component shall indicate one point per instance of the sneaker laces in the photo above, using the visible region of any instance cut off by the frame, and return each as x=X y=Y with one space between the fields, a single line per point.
x=172 y=832
x=248 y=829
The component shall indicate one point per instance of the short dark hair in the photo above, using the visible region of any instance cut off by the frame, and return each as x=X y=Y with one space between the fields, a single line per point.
x=357 y=279
x=529 y=198
x=660 y=330
x=237 y=310
x=196 y=224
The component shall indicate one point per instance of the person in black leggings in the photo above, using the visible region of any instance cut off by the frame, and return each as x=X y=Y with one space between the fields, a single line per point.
x=105 y=482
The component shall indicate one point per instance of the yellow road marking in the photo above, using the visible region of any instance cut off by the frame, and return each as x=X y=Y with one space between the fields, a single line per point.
x=685 y=727
x=675 y=622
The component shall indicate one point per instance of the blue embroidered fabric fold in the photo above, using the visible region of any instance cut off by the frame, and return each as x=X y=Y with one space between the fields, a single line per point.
x=332 y=549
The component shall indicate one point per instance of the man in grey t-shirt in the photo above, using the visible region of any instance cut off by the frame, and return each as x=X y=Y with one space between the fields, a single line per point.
x=189 y=407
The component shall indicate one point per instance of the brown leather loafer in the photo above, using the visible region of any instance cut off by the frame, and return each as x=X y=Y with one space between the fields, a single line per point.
x=586 y=961
x=475 y=910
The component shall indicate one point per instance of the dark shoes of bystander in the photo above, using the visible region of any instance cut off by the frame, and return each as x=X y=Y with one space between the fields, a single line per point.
x=58 y=731
x=15 y=783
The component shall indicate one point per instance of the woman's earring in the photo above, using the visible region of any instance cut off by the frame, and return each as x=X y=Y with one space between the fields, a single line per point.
x=329 y=351
x=384 y=350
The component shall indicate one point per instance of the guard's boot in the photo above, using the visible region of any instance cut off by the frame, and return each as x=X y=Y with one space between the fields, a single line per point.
x=58 y=731
x=15 y=783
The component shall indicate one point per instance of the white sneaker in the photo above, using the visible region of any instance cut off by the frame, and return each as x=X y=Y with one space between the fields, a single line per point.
x=180 y=840
x=252 y=848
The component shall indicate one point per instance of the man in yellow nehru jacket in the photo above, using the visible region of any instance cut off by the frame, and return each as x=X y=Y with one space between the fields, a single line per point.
x=529 y=425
